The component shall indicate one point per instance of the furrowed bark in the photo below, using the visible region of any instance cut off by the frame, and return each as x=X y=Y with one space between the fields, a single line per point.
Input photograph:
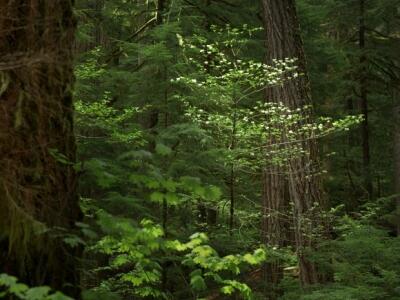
x=283 y=40
x=38 y=198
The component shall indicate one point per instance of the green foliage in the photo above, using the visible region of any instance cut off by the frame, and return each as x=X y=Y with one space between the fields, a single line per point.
x=107 y=121
x=249 y=133
x=144 y=249
x=330 y=31
x=172 y=125
x=11 y=287
x=363 y=262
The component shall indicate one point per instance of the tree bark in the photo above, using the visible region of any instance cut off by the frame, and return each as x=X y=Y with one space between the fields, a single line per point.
x=396 y=148
x=232 y=176
x=364 y=104
x=274 y=205
x=283 y=40
x=38 y=198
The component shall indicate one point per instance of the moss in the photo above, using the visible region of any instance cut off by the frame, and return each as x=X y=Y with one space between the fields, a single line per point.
x=37 y=194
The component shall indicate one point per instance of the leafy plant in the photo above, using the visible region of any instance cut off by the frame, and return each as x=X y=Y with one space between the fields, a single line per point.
x=11 y=287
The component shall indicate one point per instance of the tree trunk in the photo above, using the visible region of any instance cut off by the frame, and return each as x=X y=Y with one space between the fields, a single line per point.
x=274 y=204
x=283 y=40
x=232 y=176
x=364 y=104
x=38 y=198
x=396 y=147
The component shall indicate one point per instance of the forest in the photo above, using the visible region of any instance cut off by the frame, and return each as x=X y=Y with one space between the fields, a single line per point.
x=200 y=149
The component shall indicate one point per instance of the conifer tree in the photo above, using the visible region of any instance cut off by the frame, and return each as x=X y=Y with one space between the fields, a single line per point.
x=283 y=40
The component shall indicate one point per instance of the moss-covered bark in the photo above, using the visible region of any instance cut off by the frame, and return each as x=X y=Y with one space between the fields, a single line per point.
x=38 y=199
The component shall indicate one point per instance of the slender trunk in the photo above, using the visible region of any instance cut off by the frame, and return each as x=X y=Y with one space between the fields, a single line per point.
x=154 y=114
x=165 y=208
x=99 y=30
x=37 y=146
x=283 y=40
x=232 y=147
x=396 y=147
x=232 y=199
x=164 y=272
x=351 y=142
x=364 y=104
x=160 y=11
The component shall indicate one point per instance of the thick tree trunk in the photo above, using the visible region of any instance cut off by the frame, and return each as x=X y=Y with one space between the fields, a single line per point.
x=38 y=199
x=275 y=204
x=283 y=40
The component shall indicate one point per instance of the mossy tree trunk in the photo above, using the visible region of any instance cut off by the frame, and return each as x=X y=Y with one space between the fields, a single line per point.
x=38 y=198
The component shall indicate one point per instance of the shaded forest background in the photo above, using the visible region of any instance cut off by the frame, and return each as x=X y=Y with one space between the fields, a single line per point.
x=199 y=149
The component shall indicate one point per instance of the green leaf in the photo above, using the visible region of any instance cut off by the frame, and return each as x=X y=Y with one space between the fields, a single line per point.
x=59 y=296
x=7 y=280
x=135 y=280
x=213 y=193
x=197 y=283
x=97 y=295
x=74 y=241
x=37 y=293
x=120 y=260
x=169 y=185
x=227 y=290
x=18 y=289
x=250 y=259
x=163 y=150
x=157 y=197
x=197 y=272
x=200 y=191
x=190 y=182
x=172 y=198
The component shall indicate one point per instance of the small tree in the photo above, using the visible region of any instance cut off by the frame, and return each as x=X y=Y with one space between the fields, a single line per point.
x=257 y=137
